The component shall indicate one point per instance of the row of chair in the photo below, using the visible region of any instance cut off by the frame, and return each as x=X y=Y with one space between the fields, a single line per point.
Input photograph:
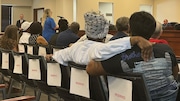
x=59 y=81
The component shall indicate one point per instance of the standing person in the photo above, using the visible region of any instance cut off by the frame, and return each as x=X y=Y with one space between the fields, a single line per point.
x=160 y=72
x=122 y=26
x=9 y=40
x=20 y=21
x=68 y=36
x=49 y=25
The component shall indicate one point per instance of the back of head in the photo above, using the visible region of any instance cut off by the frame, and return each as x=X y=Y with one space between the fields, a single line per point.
x=47 y=13
x=10 y=38
x=11 y=32
x=63 y=24
x=35 y=28
x=122 y=24
x=25 y=25
x=96 y=26
x=142 y=24
x=74 y=27
x=158 y=31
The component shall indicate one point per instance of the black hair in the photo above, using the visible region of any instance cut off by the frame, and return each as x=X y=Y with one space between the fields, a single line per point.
x=63 y=24
x=35 y=28
x=142 y=24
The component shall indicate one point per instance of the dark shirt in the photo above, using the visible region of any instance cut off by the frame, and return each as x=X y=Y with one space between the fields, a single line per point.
x=157 y=72
x=18 y=23
x=118 y=35
x=53 y=39
x=66 y=37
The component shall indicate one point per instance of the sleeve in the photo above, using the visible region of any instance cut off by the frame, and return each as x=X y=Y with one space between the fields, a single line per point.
x=53 y=24
x=112 y=65
x=104 y=51
x=62 y=56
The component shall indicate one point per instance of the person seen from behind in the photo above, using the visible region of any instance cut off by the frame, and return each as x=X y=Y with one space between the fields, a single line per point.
x=160 y=72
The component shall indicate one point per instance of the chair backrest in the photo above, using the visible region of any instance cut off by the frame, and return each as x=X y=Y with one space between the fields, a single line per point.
x=54 y=74
x=55 y=48
x=20 y=63
x=32 y=49
x=22 y=47
x=6 y=61
x=43 y=49
x=36 y=67
x=97 y=92
x=139 y=86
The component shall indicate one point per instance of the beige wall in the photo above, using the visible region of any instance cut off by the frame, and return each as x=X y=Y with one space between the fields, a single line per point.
x=161 y=8
x=167 y=9
x=59 y=8
x=19 y=7
x=121 y=7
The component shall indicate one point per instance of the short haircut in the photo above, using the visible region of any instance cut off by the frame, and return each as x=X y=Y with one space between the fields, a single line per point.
x=142 y=24
x=122 y=23
x=75 y=27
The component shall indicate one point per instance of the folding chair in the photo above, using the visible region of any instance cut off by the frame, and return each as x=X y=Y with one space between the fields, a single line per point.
x=58 y=75
x=38 y=67
x=139 y=86
x=96 y=91
x=18 y=62
x=6 y=64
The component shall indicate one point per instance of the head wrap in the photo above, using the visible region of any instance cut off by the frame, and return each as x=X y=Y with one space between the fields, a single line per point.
x=96 y=26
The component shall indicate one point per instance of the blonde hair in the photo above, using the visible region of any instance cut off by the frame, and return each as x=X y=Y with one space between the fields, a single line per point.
x=47 y=13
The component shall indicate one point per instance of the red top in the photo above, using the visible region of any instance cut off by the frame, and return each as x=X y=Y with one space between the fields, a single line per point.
x=158 y=41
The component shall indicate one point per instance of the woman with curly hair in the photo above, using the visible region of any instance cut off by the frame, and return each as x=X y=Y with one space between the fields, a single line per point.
x=10 y=38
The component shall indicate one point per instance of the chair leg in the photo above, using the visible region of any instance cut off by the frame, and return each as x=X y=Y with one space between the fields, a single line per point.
x=10 y=88
x=23 y=89
x=38 y=95
x=49 y=98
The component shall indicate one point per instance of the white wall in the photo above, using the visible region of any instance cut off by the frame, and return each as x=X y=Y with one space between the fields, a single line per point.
x=167 y=9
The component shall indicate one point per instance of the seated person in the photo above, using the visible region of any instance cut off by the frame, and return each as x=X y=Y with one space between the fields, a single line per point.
x=36 y=38
x=122 y=25
x=160 y=72
x=63 y=25
x=25 y=32
x=155 y=37
x=96 y=29
x=68 y=36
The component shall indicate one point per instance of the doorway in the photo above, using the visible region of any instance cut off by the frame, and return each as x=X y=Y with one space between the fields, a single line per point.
x=38 y=14
x=106 y=8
